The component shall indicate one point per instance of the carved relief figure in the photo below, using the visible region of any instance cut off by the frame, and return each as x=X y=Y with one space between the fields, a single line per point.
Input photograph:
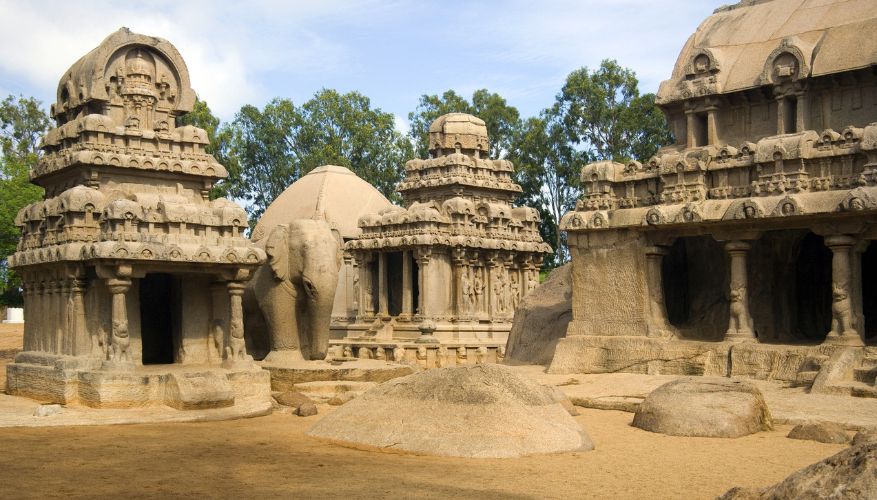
x=478 y=290
x=381 y=354
x=421 y=356
x=399 y=354
x=466 y=290
x=841 y=312
x=515 y=291
x=461 y=355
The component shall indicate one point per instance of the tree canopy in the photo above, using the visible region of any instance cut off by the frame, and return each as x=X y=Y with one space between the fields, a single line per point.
x=22 y=123
x=502 y=120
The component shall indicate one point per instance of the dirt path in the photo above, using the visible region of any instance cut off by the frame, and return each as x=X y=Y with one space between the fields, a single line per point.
x=271 y=457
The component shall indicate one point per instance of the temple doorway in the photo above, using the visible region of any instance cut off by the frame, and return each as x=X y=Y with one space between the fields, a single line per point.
x=695 y=278
x=159 y=318
x=394 y=282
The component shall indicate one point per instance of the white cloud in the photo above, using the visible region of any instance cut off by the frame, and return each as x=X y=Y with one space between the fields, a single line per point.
x=401 y=124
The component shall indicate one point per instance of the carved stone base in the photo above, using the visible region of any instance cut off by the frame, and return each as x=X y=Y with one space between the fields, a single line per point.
x=285 y=377
x=81 y=381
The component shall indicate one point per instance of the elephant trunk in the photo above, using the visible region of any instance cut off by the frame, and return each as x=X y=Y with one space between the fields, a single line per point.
x=320 y=299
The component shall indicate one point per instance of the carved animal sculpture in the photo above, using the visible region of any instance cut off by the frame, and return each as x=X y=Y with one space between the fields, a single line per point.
x=841 y=312
x=740 y=321
x=288 y=303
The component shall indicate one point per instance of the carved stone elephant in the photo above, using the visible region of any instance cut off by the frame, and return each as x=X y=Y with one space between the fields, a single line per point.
x=288 y=303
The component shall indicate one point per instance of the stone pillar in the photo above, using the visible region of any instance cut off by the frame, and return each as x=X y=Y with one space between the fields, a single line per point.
x=29 y=308
x=423 y=278
x=690 y=139
x=460 y=295
x=740 y=325
x=781 y=115
x=383 y=308
x=120 y=342
x=844 y=329
x=81 y=343
x=407 y=287
x=366 y=304
x=218 y=319
x=802 y=112
x=236 y=350
x=711 y=127
x=659 y=325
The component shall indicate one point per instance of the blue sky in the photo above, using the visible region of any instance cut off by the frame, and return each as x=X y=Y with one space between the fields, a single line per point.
x=392 y=51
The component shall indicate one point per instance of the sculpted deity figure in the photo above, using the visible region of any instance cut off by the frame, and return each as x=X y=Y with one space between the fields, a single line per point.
x=481 y=355
x=466 y=290
x=399 y=354
x=356 y=292
x=532 y=282
x=442 y=357
x=478 y=290
x=461 y=355
x=421 y=356
x=515 y=291
x=348 y=352
x=381 y=354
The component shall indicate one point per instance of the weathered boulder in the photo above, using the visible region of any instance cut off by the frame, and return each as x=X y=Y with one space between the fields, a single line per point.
x=824 y=432
x=305 y=410
x=541 y=319
x=293 y=399
x=483 y=411
x=704 y=407
x=865 y=437
x=341 y=398
x=851 y=475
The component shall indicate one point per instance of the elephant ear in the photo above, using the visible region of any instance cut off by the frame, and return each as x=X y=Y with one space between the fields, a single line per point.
x=340 y=241
x=277 y=248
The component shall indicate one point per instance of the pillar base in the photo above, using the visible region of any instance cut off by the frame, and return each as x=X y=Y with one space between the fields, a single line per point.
x=117 y=366
x=846 y=339
x=740 y=336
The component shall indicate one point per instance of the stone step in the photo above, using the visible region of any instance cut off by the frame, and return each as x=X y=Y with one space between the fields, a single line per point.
x=198 y=391
x=869 y=362
x=865 y=375
x=323 y=391
x=806 y=377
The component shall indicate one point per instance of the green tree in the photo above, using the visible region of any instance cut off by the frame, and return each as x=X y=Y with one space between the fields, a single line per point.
x=219 y=135
x=502 y=120
x=270 y=149
x=547 y=167
x=607 y=118
x=22 y=123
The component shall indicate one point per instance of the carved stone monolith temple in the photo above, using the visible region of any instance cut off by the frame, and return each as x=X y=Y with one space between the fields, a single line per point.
x=437 y=282
x=133 y=277
x=746 y=248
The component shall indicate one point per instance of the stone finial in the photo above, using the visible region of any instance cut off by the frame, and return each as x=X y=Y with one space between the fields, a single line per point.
x=458 y=133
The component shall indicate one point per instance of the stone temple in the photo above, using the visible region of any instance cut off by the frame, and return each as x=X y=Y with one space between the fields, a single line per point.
x=437 y=282
x=746 y=247
x=133 y=277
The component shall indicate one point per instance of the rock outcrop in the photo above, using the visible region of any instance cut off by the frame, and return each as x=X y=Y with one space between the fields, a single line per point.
x=851 y=475
x=704 y=407
x=541 y=320
x=481 y=411
x=823 y=432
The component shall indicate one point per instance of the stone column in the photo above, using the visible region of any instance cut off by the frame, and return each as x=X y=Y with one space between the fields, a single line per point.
x=690 y=139
x=120 y=342
x=802 y=112
x=740 y=325
x=659 y=325
x=80 y=343
x=407 y=287
x=844 y=329
x=236 y=350
x=383 y=308
x=366 y=300
x=459 y=295
x=29 y=307
x=781 y=115
x=711 y=128
x=422 y=275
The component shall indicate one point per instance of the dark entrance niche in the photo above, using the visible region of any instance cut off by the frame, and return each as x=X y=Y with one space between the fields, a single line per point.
x=790 y=287
x=394 y=283
x=695 y=279
x=159 y=318
x=869 y=292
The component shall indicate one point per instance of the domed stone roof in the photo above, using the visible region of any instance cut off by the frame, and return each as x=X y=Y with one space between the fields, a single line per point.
x=457 y=131
x=332 y=193
x=754 y=42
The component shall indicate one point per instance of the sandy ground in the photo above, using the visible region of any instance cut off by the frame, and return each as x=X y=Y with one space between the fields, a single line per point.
x=272 y=457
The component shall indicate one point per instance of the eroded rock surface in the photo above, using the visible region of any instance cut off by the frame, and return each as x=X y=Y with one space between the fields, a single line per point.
x=704 y=407
x=851 y=475
x=541 y=320
x=483 y=411
x=823 y=432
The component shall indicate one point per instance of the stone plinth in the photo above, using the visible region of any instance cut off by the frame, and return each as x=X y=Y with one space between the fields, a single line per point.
x=285 y=377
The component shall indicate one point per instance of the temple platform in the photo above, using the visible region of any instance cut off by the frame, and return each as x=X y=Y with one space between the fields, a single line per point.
x=285 y=377
x=82 y=382
x=823 y=368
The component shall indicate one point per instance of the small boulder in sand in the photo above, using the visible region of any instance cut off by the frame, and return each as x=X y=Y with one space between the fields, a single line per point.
x=479 y=411
x=864 y=437
x=293 y=399
x=704 y=407
x=341 y=398
x=824 y=432
x=48 y=410
x=305 y=410
x=851 y=475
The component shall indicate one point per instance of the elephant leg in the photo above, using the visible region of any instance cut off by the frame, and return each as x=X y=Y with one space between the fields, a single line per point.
x=279 y=309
